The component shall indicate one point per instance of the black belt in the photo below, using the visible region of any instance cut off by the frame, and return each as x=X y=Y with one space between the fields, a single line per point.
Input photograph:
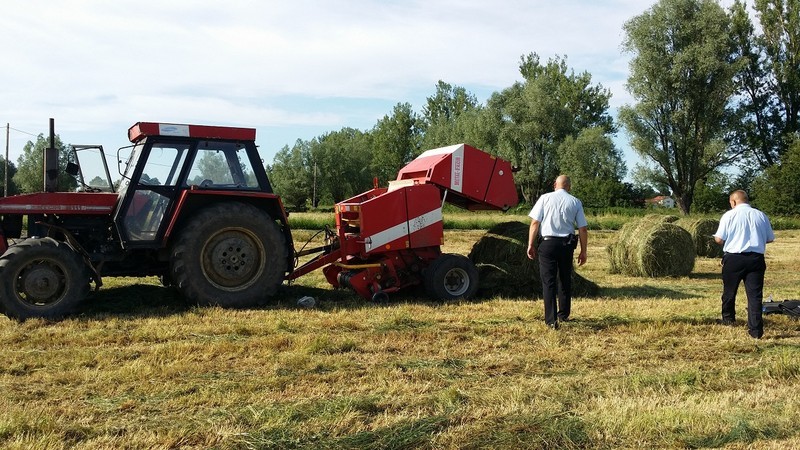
x=555 y=238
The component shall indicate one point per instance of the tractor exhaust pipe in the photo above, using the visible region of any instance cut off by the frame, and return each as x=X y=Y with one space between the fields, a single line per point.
x=51 y=161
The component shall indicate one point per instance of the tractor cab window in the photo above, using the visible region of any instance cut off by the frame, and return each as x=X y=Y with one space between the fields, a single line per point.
x=154 y=190
x=92 y=169
x=163 y=165
x=221 y=165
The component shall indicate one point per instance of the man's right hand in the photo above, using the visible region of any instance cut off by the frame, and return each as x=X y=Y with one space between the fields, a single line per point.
x=582 y=258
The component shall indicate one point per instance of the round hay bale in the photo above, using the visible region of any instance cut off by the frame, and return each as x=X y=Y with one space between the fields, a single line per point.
x=668 y=218
x=501 y=256
x=665 y=250
x=652 y=248
x=619 y=251
x=702 y=230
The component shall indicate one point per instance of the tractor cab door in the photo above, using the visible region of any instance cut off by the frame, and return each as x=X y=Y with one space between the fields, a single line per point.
x=148 y=190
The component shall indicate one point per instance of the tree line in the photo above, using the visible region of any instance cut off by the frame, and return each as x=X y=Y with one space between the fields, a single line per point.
x=553 y=121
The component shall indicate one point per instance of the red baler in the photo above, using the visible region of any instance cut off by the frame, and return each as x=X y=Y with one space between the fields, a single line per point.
x=390 y=238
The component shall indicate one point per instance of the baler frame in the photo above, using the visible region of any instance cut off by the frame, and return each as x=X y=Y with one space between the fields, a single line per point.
x=389 y=238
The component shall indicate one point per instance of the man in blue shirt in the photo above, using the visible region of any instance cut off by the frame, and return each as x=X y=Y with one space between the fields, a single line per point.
x=555 y=216
x=744 y=232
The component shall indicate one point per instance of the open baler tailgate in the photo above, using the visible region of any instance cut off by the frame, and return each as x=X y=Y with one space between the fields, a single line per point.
x=472 y=179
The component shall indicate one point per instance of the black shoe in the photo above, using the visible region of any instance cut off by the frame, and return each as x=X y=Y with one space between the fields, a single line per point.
x=553 y=325
x=755 y=334
x=564 y=319
x=726 y=322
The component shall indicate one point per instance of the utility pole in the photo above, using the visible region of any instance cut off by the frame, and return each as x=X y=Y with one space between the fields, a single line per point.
x=5 y=171
x=314 y=191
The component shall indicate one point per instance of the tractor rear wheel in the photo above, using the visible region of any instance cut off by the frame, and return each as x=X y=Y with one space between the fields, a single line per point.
x=231 y=255
x=42 y=277
x=451 y=277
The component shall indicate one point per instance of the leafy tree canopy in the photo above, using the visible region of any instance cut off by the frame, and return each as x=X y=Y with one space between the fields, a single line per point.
x=684 y=63
x=777 y=191
x=11 y=189
x=533 y=118
x=30 y=172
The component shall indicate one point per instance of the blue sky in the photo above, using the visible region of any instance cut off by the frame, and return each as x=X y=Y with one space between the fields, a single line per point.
x=292 y=70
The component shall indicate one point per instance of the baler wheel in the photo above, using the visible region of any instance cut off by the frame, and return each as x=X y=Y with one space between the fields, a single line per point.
x=229 y=254
x=42 y=277
x=451 y=277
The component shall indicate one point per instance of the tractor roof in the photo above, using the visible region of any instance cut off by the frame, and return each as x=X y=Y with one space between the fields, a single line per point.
x=141 y=130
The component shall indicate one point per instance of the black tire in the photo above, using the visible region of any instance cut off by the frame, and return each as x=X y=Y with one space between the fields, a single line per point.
x=231 y=255
x=451 y=277
x=42 y=277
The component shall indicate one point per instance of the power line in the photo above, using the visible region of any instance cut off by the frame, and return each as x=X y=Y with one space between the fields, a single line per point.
x=24 y=132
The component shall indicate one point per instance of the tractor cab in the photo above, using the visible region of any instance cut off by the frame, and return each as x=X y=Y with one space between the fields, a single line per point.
x=168 y=159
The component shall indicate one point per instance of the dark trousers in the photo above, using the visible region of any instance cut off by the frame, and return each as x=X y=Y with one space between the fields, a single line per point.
x=750 y=268
x=555 y=263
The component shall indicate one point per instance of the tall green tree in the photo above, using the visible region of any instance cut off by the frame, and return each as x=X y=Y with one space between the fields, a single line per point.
x=755 y=124
x=596 y=168
x=769 y=83
x=682 y=71
x=533 y=118
x=30 y=166
x=650 y=180
x=343 y=163
x=441 y=115
x=711 y=194
x=11 y=189
x=777 y=190
x=291 y=175
x=780 y=23
x=395 y=142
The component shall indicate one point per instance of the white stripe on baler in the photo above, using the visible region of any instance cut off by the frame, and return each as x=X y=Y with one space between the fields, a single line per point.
x=398 y=231
x=456 y=153
x=425 y=220
x=457 y=169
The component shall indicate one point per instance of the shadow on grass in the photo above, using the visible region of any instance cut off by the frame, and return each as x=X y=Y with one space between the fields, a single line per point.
x=608 y=322
x=407 y=434
x=706 y=276
x=148 y=300
x=644 y=291
x=134 y=301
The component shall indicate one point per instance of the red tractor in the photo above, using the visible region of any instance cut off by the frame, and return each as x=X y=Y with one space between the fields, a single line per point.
x=195 y=207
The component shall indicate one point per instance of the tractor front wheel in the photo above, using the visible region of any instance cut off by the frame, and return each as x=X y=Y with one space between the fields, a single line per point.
x=230 y=254
x=42 y=277
x=451 y=277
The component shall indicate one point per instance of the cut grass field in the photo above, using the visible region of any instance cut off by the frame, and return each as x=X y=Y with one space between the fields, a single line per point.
x=642 y=366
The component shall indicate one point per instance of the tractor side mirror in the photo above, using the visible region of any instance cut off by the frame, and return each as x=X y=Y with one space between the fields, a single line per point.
x=73 y=169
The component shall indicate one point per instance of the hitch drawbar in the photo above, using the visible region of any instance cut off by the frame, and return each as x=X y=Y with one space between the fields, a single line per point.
x=788 y=307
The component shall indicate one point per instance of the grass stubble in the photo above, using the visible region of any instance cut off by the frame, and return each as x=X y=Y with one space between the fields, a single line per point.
x=642 y=366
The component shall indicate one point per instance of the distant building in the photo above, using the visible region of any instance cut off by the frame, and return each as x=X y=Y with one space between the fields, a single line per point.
x=662 y=201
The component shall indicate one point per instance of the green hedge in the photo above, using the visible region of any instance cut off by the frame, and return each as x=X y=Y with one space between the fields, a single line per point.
x=483 y=220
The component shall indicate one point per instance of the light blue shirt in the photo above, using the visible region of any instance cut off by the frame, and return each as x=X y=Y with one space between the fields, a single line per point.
x=558 y=213
x=745 y=229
